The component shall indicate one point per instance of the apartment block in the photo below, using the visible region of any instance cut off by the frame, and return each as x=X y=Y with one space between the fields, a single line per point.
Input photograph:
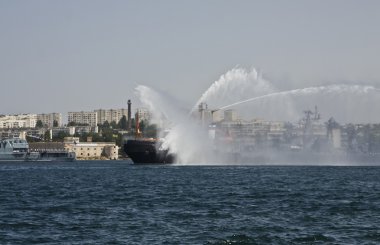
x=111 y=115
x=18 y=121
x=144 y=114
x=230 y=115
x=83 y=117
x=49 y=119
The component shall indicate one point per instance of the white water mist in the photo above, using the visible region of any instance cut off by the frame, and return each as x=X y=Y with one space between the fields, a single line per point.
x=249 y=93
x=185 y=137
x=236 y=83
x=347 y=103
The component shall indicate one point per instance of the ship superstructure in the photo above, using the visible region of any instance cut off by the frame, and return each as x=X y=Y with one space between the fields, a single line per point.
x=16 y=149
x=146 y=150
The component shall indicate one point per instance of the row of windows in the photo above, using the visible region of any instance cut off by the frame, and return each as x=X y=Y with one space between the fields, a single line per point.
x=88 y=149
x=88 y=154
x=15 y=124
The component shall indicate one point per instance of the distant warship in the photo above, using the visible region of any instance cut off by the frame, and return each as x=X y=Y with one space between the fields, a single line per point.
x=16 y=149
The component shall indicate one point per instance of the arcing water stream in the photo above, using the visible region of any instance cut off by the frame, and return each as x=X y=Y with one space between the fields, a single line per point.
x=337 y=89
x=237 y=83
x=347 y=103
x=186 y=138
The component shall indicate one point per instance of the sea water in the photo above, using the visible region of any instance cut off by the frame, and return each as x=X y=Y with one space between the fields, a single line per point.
x=113 y=202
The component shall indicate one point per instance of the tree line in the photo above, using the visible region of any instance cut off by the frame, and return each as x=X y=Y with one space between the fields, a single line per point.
x=107 y=131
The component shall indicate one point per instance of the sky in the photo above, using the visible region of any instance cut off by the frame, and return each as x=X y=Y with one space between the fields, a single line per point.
x=60 y=56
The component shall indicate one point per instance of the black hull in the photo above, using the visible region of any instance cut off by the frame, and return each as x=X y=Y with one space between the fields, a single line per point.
x=146 y=152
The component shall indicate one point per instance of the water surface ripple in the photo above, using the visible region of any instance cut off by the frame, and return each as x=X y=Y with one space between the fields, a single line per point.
x=117 y=203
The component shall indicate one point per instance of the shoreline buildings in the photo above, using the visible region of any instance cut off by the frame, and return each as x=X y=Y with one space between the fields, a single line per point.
x=143 y=114
x=18 y=121
x=110 y=115
x=30 y=120
x=91 y=150
x=100 y=116
x=83 y=117
x=50 y=119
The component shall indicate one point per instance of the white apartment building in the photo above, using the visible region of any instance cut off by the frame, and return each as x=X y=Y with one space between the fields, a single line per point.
x=230 y=115
x=49 y=118
x=144 y=114
x=18 y=121
x=111 y=115
x=83 y=117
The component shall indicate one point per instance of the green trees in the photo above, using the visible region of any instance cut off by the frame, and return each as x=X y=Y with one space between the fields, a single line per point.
x=71 y=124
x=114 y=131
x=47 y=135
x=60 y=136
x=39 y=124
x=113 y=124
x=142 y=126
x=150 y=131
x=133 y=123
x=106 y=124
x=364 y=138
x=351 y=136
x=123 y=123
x=55 y=123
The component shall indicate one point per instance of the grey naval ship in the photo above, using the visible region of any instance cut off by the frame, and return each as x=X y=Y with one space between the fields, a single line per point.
x=16 y=149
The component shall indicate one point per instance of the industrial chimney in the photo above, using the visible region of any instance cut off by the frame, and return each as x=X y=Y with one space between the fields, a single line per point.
x=129 y=115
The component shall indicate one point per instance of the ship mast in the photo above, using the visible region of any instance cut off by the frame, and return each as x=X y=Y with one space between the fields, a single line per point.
x=138 y=132
x=309 y=119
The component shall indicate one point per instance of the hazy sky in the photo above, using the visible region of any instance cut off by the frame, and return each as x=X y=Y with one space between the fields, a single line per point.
x=59 y=56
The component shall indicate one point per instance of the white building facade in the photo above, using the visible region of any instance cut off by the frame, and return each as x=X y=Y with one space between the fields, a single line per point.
x=49 y=118
x=83 y=117
x=144 y=114
x=111 y=115
x=18 y=121
x=91 y=150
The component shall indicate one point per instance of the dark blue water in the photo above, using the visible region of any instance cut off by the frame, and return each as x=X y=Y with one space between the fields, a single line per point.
x=116 y=203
